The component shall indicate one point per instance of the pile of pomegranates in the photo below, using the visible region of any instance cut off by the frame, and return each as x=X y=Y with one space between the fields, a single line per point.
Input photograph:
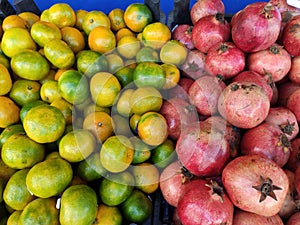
x=239 y=161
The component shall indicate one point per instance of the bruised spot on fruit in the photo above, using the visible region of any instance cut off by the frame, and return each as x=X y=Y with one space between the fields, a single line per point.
x=294 y=28
x=266 y=188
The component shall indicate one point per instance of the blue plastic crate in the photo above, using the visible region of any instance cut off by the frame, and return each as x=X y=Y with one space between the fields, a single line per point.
x=231 y=6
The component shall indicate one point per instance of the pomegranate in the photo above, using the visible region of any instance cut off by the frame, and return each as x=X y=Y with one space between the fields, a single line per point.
x=180 y=90
x=203 y=149
x=297 y=179
x=178 y=114
x=204 y=202
x=275 y=96
x=183 y=33
x=248 y=218
x=285 y=90
x=210 y=30
x=266 y=19
x=256 y=78
x=294 y=73
x=225 y=59
x=255 y=184
x=275 y=60
x=194 y=65
x=232 y=133
x=204 y=94
x=203 y=8
x=289 y=205
x=244 y=104
x=285 y=120
x=267 y=140
x=291 y=36
x=294 y=219
x=283 y=6
x=172 y=180
x=294 y=159
x=293 y=103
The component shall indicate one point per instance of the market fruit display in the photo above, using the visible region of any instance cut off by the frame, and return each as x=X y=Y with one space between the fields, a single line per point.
x=115 y=117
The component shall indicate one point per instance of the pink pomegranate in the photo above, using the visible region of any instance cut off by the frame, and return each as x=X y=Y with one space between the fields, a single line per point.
x=172 y=180
x=204 y=202
x=285 y=90
x=232 y=133
x=267 y=140
x=275 y=60
x=266 y=19
x=183 y=33
x=251 y=76
x=248 y=218
x=203 y=149
x=291 y=36
x=225 y=59
x=289 y=206
x=255 y=184
x=204 y=94
x=294 y=73
x=194 y=65
x=178 y=113
x=294 y=159
x=244 y=104
x=203 y=8
x=210 y=30
x=285 y=120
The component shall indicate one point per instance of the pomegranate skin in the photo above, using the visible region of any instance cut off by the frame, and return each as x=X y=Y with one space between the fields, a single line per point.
x=244 y=104
x=225 y=59
x=285 y=90
x=293 y=104
x=209 y=31
x=294 y=159
x=178 y=113
x=294 y=219
x=231 y=133
x=247 y=218
x=283 y=6
x=203 y=149
x=171 y=182
x=242 y=174
x=266 y=19
x=289 y=206
x=285 y=120
x=294 y=73
x=291 y=36
x=252 y=76
x=183 y=33
x=198 y=205
x=274 y=60
x=203 y=8
x=180 y=90
x=266 y=140
x=204 y=94
x=194 y=66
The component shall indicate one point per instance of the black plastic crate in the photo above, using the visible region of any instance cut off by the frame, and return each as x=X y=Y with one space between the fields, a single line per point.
x=6 y=9
x=26 y=6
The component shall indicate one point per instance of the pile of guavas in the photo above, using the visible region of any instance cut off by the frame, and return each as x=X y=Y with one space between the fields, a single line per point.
x=239 y=150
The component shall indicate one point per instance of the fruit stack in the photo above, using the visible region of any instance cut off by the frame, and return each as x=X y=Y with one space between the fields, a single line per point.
x=123 y=118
